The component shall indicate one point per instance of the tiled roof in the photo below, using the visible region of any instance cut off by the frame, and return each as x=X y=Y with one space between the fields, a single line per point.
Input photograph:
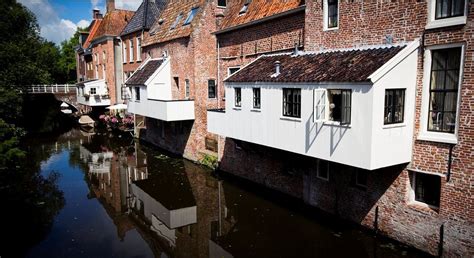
x=257 y=9
x=113 y=23
x=140 y=76
x=335 y=66
x=163 y=32
x=92 y=31
x=145 y=16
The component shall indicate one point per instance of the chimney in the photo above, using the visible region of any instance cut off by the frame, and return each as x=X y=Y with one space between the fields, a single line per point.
x=110 y=5
x=277 y=69
x=96 y=14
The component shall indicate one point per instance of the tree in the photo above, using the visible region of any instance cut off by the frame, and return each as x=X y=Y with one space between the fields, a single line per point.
x=67 y=61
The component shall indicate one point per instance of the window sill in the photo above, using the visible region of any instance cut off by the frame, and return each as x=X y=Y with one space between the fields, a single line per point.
x=422 y=207
x=331 y=29
x=131 y=62
x=438 y=137
x=255 y=110
x=434 y=24
x=390 y=126
x=335 y=123
x=293 y=119
x=237 y=108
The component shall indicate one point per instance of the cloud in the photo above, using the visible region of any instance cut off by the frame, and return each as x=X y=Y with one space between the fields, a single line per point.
x=120 y=4
x=52 y=27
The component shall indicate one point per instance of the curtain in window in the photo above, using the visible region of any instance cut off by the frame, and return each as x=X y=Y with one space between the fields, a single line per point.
x=449 y=8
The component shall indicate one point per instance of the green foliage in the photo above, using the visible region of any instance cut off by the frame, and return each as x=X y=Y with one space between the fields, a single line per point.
x=209 y=161
x=10 y=153
x=67 y=60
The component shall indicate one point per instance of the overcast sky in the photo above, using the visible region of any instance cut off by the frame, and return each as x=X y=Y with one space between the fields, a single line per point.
x=59 y=19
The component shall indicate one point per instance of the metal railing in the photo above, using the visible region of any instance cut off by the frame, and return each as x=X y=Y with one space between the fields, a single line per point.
x=53 y=88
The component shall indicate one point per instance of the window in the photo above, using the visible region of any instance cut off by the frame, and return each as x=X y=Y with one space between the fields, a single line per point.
x=360 y=178
x=124 y=52
x=211 y=89
x=97 y=72
x=103 y=71
x=103 y=56
x=445 y=72
x=139 y=49
x=221 y=3
x=232 y=70
x=137 y=93
x=292 y=102
x=191 y=15
x=187 y=86
x=176 y=82
x=331 y=14
x=394 y=106
x=131 y=51
x=340 y=106
x=256 y=98
x=426 y=188
x=449 y=8
x=245 y=7
x=320 y=101
x=238 y=97
x=175 y=23
x=323 y=170
x=93 y=91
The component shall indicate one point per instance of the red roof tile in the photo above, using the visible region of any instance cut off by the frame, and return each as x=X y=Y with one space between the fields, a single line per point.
x=92 y=31
x=163 y=32
x=113 y=23
x=337 y=66
x=257 y=9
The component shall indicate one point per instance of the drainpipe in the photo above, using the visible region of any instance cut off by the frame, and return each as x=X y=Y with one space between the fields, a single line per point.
x=218 y=73
x=450 y=161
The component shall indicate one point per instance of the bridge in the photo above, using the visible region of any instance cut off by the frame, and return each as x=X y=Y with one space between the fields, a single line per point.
x=62 y=92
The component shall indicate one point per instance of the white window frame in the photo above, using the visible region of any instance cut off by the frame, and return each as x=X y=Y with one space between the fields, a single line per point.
x=131 y=50
x=103 y=71
x=232 y=67
x=411 y=193
x=318 y=169
x=325 y=15
x=432 y=23
x=139 y=49
x=424 y=134
x=187 y=88
x=97 y=71
x=357 y=176
x=321 y=103
x=103 y=56
x=124 y=52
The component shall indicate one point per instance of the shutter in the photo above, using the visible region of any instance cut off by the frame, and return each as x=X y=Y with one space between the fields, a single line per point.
x=319 y=105
x=346 y=107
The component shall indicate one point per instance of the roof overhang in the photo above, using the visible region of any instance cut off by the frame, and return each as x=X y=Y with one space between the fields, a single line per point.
x=265 y=19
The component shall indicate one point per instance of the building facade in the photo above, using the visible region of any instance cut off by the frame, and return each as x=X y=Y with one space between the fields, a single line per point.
x=392 y=151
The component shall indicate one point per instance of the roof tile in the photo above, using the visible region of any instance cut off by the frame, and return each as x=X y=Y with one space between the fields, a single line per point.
x=145 y=16
x=140 y=76
x=113 y=23
x=336 y=66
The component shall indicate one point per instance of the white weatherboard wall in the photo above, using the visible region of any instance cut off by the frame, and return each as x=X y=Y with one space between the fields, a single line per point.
x=93 y=100
x=365 y=143
x=156 y=98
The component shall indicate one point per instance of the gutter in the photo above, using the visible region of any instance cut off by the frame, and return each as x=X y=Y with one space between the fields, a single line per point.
x=268 y=18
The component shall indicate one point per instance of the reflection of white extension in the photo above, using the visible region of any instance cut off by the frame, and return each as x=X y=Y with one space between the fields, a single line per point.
x=162 y=230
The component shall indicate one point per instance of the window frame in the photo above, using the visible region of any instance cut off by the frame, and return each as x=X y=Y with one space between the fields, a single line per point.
x=139 y=49
x=191 y=14
x=343 y=107
x=448 y=17
x=434 y=23
x=230 y=68
x=318 y=175
x=209 y=89
x=125 y=52
x=292 y=103
x=237 y=97
x=392 y=108
x=132 y=53
x=222 y=6
x=413 y=186
x=187 y=88
x=176 y=21
x=356 y=178
x=425 y=135
x=137 y=93
x=95 y=91
x=257 y=98
x=326 y=15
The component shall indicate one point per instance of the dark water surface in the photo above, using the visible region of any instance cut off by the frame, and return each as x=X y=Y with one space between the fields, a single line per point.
x=120 y=199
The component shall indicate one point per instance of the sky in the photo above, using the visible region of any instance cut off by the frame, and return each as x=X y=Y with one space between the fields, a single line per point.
x=59 y=19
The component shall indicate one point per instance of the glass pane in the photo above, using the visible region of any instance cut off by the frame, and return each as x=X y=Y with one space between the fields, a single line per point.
x=452 y=79
x=427 y=189
x=438 y=60
x=458 y=7
x=453 y=57
x=449 y=122
x=450 y=101
x=437 y=99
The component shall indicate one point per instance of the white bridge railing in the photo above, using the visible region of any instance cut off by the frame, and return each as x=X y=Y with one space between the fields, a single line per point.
x=53 y=88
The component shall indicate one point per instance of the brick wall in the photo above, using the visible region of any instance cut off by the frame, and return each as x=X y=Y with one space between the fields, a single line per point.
x=109 y=62
x=388 y=189
x=130 y=67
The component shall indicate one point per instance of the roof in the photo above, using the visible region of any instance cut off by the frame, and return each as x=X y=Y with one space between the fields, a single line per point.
x=113 y=23
x=257 y=9
x=145 y=16
x=163 y=32
x=142 y=74
x=92 y=31
x=354 y=65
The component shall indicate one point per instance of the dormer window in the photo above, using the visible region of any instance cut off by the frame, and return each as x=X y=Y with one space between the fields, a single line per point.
x=221 y=3
x=245 y=7
x=191 y=15
x=444 y=13
x=175 y=23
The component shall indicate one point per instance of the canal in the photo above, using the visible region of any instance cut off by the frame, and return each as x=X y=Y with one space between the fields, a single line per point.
x=105 y=196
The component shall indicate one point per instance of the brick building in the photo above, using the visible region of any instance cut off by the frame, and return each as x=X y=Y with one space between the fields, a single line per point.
x=104 y=67
x=176 y=85
x=411 y=177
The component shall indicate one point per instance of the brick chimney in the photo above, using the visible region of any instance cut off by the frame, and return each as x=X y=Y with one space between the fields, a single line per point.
x=96 y=14
x=110 y=5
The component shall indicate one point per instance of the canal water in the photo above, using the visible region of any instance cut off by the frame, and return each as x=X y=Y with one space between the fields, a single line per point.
x=105 y=196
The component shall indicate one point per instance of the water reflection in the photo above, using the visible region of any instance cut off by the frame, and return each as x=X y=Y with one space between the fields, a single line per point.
x=175 y=208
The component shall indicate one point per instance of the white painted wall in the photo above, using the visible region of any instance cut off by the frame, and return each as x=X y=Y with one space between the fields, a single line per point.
x=365 y=143
x=159 y=84
x=94 y=100
x=178 y=110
